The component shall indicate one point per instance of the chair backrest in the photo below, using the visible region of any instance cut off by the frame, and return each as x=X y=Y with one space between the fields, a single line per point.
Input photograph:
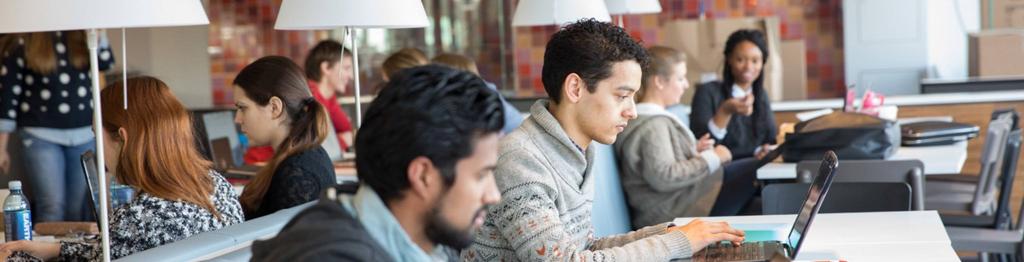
x=910 y=171
x=610 y=214
x=788 y=198
x=992 y=159
x=331 y=144
x=1013 y=144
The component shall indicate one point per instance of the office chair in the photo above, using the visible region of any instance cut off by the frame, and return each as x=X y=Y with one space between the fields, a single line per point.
x=909 y=171
x=788 y=198
x=979 y=200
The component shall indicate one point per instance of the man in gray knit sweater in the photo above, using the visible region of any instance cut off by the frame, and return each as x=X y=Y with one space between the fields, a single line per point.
x=591 y=70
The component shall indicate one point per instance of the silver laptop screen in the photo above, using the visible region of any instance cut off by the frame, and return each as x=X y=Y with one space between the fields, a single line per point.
x=813 y=201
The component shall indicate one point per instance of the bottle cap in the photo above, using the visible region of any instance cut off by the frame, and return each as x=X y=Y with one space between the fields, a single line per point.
x=14 y=185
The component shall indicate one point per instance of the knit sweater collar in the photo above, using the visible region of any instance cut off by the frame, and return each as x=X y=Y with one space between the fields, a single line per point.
x=547 y=122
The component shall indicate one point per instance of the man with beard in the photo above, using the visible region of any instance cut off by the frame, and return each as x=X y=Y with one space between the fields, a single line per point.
x=426 y=155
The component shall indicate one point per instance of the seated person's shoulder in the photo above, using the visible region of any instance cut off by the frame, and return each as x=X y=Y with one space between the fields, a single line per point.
x=221 y=185
x=316 y=155
x=310 y=164
x=322 y=232
x=518 y=138
x=523 y=164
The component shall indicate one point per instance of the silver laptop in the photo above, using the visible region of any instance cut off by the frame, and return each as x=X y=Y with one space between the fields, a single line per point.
x=119 y=194
x=223 y=161
x=770 y=250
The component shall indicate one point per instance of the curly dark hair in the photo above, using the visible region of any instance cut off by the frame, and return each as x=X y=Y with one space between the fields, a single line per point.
x=432 y=111
x=588 y=48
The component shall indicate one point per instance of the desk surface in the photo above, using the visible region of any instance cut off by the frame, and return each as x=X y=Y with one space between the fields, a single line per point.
x=946 y=159
x=873 y=236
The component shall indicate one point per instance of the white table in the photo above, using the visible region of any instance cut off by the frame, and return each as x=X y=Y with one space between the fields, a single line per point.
x=945 y=159
x=874 y=236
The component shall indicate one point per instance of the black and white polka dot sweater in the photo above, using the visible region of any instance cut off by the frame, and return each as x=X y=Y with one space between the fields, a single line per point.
x=61 y=100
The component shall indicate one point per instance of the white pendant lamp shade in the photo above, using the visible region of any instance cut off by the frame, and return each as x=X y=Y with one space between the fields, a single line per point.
x=332 y=14
x=558 y=12
x=18 y=16
x=632 y=7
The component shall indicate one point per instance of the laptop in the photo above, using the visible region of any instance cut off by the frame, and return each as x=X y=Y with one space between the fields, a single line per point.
x=929 y=133
x=214 y=125
x=224 y=163
x=766 y=250
x=119 y=194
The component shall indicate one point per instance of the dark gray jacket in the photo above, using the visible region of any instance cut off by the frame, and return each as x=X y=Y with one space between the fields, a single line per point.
x=323 y=232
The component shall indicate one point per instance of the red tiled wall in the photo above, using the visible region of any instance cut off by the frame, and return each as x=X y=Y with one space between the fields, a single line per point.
x=817 y=22
x=242 y=31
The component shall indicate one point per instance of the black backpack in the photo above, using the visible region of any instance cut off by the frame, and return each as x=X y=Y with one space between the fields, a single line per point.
x=851 y=135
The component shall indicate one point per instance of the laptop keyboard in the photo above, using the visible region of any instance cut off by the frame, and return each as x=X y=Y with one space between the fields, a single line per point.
x=751 y=251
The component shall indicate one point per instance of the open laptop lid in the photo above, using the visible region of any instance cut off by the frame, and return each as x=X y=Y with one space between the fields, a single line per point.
x=812 y=203
x=92 y=181
x=221 y=154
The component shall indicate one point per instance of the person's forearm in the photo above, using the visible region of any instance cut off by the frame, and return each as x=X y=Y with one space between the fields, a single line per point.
x=3 y=140
x=722 y=118
x=629 y=237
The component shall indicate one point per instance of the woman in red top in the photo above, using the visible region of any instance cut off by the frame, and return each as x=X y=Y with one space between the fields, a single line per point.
x=325 y=80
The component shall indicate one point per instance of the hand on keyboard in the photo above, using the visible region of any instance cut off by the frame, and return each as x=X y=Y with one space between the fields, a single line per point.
x=702 y=233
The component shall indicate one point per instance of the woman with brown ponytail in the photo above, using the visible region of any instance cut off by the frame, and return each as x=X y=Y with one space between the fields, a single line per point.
x=275 y=108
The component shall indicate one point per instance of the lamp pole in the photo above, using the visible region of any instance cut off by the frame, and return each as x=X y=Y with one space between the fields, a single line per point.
x=355 y=75
x=97 y=116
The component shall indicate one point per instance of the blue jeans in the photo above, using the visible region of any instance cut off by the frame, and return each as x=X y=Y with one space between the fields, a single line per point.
x=55 y=176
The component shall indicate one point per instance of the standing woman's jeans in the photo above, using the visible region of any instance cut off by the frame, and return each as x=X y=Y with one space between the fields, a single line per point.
x=57 y=180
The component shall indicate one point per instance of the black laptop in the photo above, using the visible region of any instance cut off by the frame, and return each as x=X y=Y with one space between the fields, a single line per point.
x=930 y=133
x=766 y=250
x=92 y=180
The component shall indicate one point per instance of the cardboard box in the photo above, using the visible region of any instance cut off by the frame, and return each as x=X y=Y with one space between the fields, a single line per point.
x=703 y=41
x=998 y=52
x=1002 y=14
x=794 y=77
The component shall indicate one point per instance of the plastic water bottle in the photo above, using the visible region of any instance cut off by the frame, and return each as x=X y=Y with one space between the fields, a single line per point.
x=120 y=194
x=17 y=216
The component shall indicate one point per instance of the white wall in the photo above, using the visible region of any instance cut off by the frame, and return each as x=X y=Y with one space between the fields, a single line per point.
x=884 y=44
x=949 y=21
x=176 y=55
x=891 y=45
